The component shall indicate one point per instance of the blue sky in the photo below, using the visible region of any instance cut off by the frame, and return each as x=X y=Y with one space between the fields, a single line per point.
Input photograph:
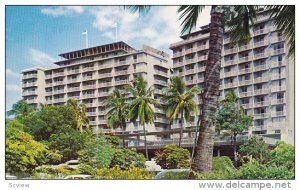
x=35 y=35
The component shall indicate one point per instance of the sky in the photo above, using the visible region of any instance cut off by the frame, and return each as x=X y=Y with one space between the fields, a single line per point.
x=35 y=35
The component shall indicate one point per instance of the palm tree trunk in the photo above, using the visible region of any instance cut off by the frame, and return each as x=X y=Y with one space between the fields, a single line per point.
x=145 y=142
x=181 y=127
x=204 y=150
x=123 y=130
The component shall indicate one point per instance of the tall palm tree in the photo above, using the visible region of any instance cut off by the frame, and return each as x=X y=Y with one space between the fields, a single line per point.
x=140 y=106
x=21 y=108
x=180 y=101
x=118 y=111
x=80 y=114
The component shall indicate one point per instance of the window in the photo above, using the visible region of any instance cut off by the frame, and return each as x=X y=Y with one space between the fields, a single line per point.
x=277 y=131
x=280 y=95
x=279 y=108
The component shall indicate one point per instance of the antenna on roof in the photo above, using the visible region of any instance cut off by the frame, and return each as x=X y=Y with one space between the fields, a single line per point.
x=86 y=38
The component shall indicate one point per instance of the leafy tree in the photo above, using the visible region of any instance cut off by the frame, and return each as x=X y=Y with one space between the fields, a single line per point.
x=97 y=153
x=180 y=101
x=255 y=148
x=69 y=142
x=284 y=155
x=231 y=118
x=127 y=158
x=21 y=109
x=118 y=111
x=50 y=120
x=80 y=114
x=173 y=157
x=23 y=153
x=141 y=106
x=114 y=141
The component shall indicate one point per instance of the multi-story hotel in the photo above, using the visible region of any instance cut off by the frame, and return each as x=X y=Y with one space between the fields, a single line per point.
x=90 y=75
x=259 y=72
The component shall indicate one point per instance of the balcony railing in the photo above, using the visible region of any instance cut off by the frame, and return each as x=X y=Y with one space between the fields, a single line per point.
x=91 y=113
x=277 y=64
x=260 y=55
x=104 y=84
x=124 y=72
x=58 y=83
x=278 y=101
x=278 y=113
x=261 y=79
x=188 y=61
x=260 y=115
x=89 y=96
x=49 y=84
x=121 y=63
x=261 y=91
x=160 y=82
x=178 y=64
x=277 y=39
x=278 y=88
x=49 y=92
x=58 y=91
x=102 y=122
x=189 y=82
x=245 y=47
x=245 y=82
x=230 y=73
x=246 y=70
x=104 y=75
x=203 y=47
x=48 y=76
x=88 y=77
x=260 y=67
x=260 y=43
x=177 y=54
x=278 y=76
x=202 y=58
x=247 y=105
x=104 y=94
x=75 y=71
x=278 y=51
x=230 y=62
x=201 y=69
x=93 y=86
x=74 y=97
x=119 y=82
x=231 y=85
x=72 y=80
x=190 y=71
x=27 y=93
x=261 y=103
x=230 y=51
x=244 y=59
x=74 y=88
x=29 y=84
x=260 y=31
x=191 y=50
x=48 y=101
x=245 y=94
x=58 y=74
x=29 y=76
x=85 y=69
x=57 y=100
x=31 y=101
x=161 y=73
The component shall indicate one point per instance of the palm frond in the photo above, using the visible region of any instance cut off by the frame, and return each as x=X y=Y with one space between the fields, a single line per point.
x=141 y=9
x=189 y=14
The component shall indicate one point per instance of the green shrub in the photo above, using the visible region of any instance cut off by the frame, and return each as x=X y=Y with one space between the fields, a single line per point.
x=176 y=175
x=284 y=155
x=173 y=157
x=127 y=158
x=118 y=173
x=64 y=170
x=86 y=169
x=256 y=170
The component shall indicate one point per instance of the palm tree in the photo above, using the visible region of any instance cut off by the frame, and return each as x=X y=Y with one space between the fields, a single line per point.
x=141 y=105
x=21 y=108
x=118 y=111
x=80 y=114
x=181 y=101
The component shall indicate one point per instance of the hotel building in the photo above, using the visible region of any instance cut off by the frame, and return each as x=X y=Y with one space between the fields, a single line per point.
x=259 y=72
x=90 y=75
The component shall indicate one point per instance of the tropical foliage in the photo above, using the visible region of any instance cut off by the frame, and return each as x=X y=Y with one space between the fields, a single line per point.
x=127 y=158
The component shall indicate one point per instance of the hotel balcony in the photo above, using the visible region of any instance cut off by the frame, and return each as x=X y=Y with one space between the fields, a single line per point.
x=278 y=76
x=74 y=88
x=59 y=100
x=104 y=94
x=190 y=82
x=49 y=84
x=58 y=74
x=49 y=93
x=191 y=50
x=88 y=96
x=91 y=113
x=58 y=91
x=102 y=122
x=105 y=84
x=75 y=71
x=74 y=97
x=29 y=76
x=244 y=71
x=278 y=51
x=178 y=64
x=49 y=76
x=230 y=51
x=278 y=88
x=261 y=91
x=93 y=86
x=245 y=47
x=92 y=122
x=102 y=112
x=245 y=59
x=101 y=103
x=31 y=101
x=86 y=69
x=105 y=66
x=247 y=105
x=261 y=67
x=104 y=75
x=73 y=80
x=245 y=82
x=124 y=72
x=230 y=62
x=121 y=63
x=190 y=71
x=121 y=82
x=55 y=83
x=156 y=81
x=161 y=73
x=178 y=54
x=260 y=55
x=89 y=78
x=202 y=58
x=231 y=85
x=277 y=39
x=278 y=101
x=29 y=84
x=201 y=69
x=245 y=94
x=28 y=93
x=188 y=61
x=261 y=103
x=260 y=115
x=261 y=79
x=93 y=104
x=277 y=64
x=230 y=74
x=260 y=31
x=203 y=47
x=261 y=43
x=278 y=113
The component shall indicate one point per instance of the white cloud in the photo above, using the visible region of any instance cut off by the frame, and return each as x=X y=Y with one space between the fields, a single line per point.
x=40 y=58
x=11 y=73
x=62 y=10
x=13 y=88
